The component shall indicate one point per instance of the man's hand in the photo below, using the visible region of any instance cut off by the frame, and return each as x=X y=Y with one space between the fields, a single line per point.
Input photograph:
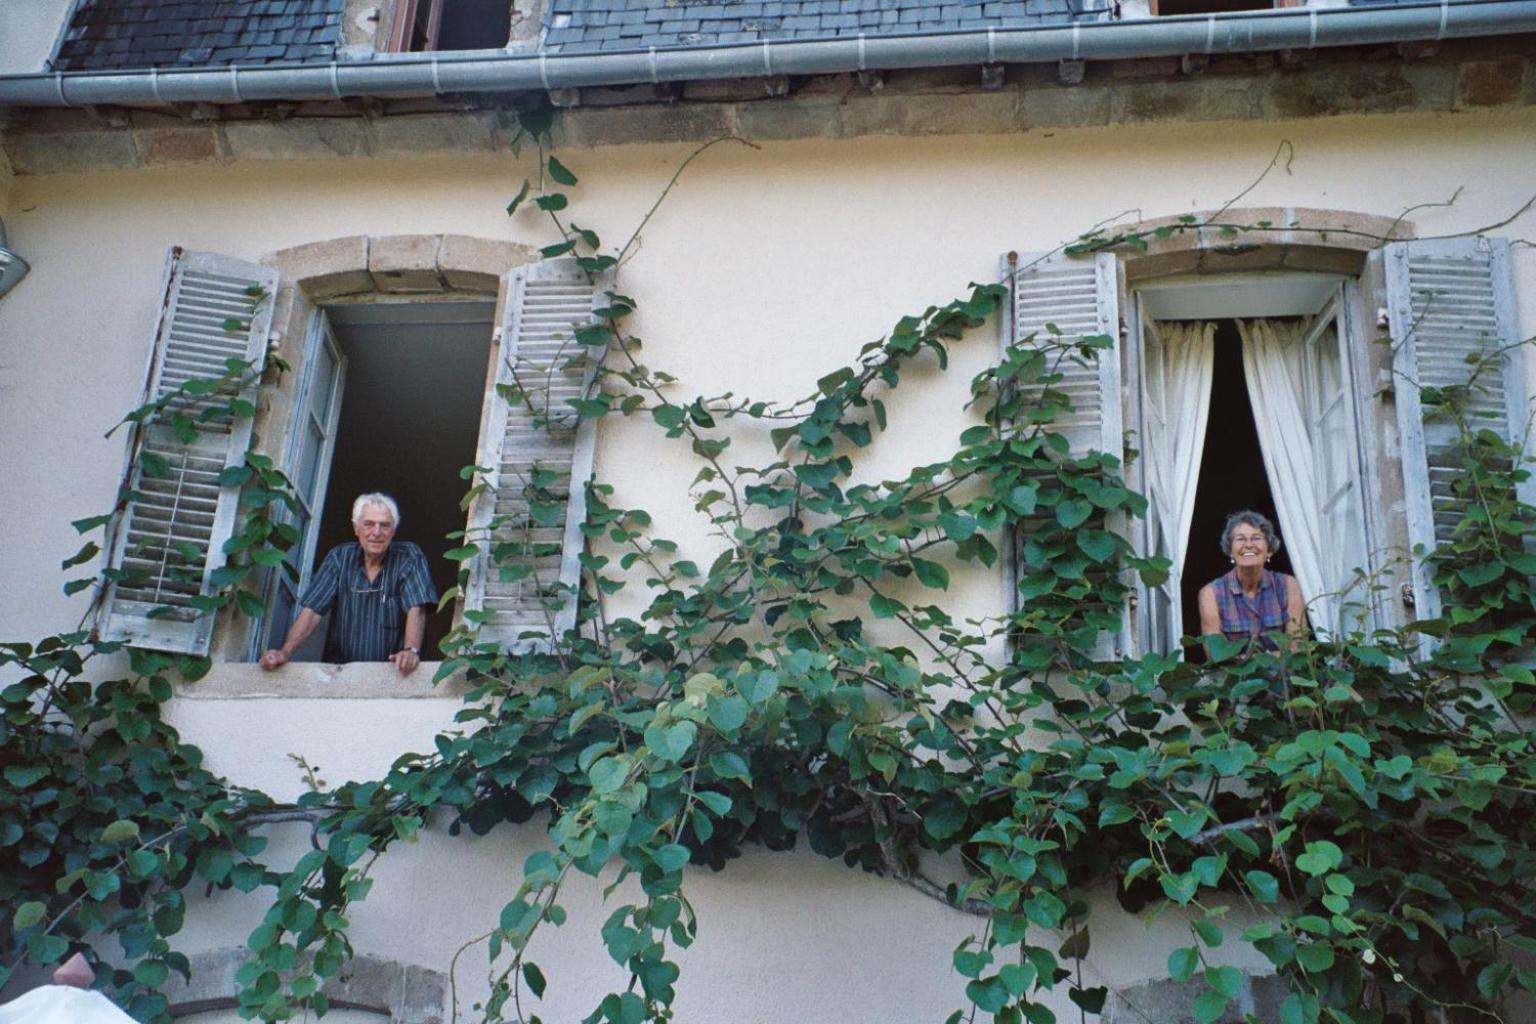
x=274 y=659
x=406 y=661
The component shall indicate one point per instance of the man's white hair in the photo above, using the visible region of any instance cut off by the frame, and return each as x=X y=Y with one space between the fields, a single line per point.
x=363 y=501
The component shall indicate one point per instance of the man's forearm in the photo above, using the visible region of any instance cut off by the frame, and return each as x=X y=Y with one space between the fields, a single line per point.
x=300 y=631
x=415 y=628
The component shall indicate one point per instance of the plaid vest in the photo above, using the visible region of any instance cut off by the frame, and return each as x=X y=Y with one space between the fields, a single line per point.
x=1251 y=618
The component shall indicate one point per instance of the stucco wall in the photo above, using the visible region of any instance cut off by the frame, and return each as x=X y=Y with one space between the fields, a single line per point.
x=763 y=270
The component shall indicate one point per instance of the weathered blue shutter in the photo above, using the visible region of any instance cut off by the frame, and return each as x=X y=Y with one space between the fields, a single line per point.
x=525 y=579
x=169 y=539
x=1451 y=310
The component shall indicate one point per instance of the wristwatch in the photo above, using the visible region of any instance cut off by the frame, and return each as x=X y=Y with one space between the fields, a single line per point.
x=414 y=650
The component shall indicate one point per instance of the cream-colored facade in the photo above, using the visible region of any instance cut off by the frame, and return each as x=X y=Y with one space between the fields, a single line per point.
x=767 y=266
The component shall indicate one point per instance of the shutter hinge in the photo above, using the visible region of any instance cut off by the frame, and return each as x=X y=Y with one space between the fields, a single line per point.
x=496 y=336
x=1406 y=592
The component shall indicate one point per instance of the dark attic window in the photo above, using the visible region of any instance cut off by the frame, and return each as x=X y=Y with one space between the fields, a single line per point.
x=419 y=25
x=1169 y=7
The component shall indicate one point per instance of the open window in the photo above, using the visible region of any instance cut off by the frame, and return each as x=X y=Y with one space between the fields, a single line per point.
x=394 y=394
x=421 y=25
x=419 y=403
x=1249 y=401
x=1265 y=390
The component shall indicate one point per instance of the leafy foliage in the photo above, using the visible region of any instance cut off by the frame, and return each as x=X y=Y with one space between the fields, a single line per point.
x=1359 y=808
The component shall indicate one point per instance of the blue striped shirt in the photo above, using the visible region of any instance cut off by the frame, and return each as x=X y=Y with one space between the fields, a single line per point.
x=368 y=617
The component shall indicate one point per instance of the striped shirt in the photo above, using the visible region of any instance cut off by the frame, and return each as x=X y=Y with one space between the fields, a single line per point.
x=1252 y=618
x=368 y=616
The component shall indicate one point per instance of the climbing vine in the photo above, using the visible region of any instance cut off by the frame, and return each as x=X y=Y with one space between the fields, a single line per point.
x=1358 y=808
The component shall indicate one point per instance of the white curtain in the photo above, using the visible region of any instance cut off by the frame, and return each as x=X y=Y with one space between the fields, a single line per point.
x=1272 y=364
x=1179 y=367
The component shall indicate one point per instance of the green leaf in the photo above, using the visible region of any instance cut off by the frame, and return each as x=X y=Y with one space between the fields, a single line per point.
x=727 y=713
x=560 y=173
x=728 y=764
x=931 y=574
x=1182 y=963
x=21 y=776
x=719 y=803
x=517 y=200
x=671 y=857
x=1073 y=513
x=1315 y=957
x=120 y=831
x=1208 y=1007
x=28 y=914
x=671 y=742
x=1265 y=887
x=885 y=607
x=531 y=973
x=608 y=774
x=1226 y=980
x=1320 y=858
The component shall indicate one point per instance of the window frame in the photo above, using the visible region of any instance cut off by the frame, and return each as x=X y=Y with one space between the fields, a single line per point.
x=1346 y=304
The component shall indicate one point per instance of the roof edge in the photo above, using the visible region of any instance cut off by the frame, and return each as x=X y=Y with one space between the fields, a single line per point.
x=435 y=74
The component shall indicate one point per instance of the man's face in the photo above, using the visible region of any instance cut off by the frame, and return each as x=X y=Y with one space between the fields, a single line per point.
x=375 y=529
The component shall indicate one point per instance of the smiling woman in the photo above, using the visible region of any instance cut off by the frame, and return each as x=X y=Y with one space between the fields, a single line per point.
x=1251 y=603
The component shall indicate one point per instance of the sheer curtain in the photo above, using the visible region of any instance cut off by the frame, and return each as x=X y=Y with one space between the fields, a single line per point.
x=1272 y=365
x=1179 y=366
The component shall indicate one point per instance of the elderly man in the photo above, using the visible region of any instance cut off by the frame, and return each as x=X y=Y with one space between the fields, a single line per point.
x=377 y=592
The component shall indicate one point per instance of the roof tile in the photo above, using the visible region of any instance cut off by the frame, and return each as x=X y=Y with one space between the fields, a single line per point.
x=111 y=34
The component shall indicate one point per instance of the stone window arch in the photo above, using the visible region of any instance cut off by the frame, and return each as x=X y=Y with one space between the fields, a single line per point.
x=393 y=990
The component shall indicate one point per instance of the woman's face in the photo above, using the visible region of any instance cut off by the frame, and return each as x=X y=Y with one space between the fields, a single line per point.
x=1250 y=548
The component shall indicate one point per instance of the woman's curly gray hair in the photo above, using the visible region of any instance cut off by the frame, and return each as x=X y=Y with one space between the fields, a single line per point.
x=1257 y=520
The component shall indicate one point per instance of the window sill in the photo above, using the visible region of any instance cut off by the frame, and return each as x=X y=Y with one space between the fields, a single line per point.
x=320 y=681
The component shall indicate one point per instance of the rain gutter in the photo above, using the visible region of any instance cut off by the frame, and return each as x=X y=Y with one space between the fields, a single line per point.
x=432 y=74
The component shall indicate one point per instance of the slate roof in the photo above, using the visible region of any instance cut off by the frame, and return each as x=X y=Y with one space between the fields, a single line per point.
x=121 y=34
x=109 y=34
x=584 y=26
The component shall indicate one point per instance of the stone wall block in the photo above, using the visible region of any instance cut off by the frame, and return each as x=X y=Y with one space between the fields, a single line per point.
x=1167 y=1002
x=1052 y=105
x=422 y=996
x=180 y=145
x=1490 y=83
x=885 y=114
x=478 y=264
x=297 y=138
x=63 y=152
x=405 y=263
x=585 y=127
x=1185 y=99
x=418 y=134
x=337 y=266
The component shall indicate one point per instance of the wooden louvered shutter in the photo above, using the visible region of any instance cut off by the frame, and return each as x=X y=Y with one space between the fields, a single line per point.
x=1451 y=309
x=170 y=537
x=1078 y=297
x=525 y=579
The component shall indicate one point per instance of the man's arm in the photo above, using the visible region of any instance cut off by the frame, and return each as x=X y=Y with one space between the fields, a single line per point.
x=409 y=656
x=302 y=627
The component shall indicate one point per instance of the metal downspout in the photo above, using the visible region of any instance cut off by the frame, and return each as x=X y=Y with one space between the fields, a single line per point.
x=1246 y=32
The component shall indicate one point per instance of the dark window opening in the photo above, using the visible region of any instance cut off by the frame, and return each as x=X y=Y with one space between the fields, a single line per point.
x=1163 y=8
x=1232 y=478
x=420 y=25
x=410 y=421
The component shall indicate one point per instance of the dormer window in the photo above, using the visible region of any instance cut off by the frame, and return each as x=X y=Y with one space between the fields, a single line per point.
x=419 y=25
